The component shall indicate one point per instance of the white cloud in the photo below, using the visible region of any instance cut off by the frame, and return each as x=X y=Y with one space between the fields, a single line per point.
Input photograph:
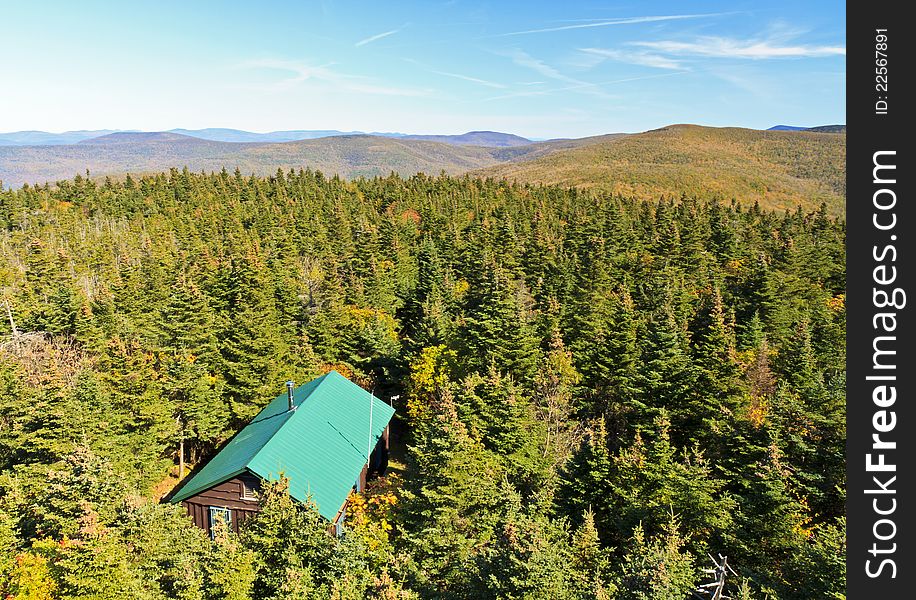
x=523 y=59
x=300 y=73
x=583 y=86
x=491 y=84
x=476 y=80
x=644 y=59
x=720 y=47
x=610 y=22
x=378 y=36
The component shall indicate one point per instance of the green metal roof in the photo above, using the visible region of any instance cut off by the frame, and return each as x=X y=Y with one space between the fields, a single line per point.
x=320 y=447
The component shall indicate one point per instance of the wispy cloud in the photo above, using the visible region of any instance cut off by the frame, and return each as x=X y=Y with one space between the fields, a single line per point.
x=611 y=22
x=583 y=85
x=644 y=59
x=720 y=47
x=525 y=60
x=491 y=84
x=476 y=80
x=754 y=84
x=298 y=73
x=376 y=37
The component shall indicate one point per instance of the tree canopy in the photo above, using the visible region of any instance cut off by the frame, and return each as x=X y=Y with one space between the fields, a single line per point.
x=595 y=390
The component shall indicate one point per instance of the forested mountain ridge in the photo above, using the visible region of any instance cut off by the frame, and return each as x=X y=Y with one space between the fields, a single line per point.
x=348 y=156
x=139 y=137
x=780 y=170
x=596 y=390
x=475 y=138
x=45 y=138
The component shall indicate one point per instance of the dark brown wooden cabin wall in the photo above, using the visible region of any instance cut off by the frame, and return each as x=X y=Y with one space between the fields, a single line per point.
x=200 y=514
x=228 y=494
x=239 y=517
x=225 y=495
x=362 y=479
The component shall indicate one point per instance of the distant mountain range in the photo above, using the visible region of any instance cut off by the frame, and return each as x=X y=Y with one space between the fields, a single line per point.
x=120 y=138
x=472 y=138
x=489 y=139
x=778 y=169
x=142 y=152
x=818 y=129
x=43 y=138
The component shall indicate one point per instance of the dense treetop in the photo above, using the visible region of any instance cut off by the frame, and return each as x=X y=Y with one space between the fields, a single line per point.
x=595 y=390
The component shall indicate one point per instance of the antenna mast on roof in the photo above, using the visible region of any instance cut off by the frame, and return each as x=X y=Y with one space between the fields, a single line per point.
x=369 y=443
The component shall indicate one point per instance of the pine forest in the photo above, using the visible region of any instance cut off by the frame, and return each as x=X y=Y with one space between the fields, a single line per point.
x=594 y=393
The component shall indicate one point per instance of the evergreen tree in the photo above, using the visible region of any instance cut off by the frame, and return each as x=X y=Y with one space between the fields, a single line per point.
x=797 y=363
x=584 y=483
x=553 y=392
x=657 y=568
x=83 y=486
x=607 y=355
x=505 y=421
x=498 y=330
x=228 y=568
x=531 y=556
x=591 y=561
x=191 y=363
x=251 y=340
x=449 y=509
x=666 y=378
x=290 y=544
x=545 y=329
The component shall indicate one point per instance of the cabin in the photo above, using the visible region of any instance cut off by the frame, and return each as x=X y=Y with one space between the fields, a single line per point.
x=326 y=437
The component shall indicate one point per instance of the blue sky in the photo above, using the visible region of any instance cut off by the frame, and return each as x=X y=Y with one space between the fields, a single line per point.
x=538 y=69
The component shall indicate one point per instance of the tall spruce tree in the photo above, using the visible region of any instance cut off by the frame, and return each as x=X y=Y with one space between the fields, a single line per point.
x=498 y=330
x=250 y=339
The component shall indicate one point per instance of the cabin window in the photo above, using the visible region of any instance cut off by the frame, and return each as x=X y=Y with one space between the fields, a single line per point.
x=249 y=489
x=219 y=514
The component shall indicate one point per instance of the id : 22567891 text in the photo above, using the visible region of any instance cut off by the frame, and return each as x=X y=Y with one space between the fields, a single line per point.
x=881 y=55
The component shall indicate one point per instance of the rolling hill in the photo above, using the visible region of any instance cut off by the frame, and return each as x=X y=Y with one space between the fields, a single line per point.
x=44 y=138
x=828 y=129
x=347 y=156
x=778 y=169
x=121 y=138
x=492 y=139
x=112 y=154
x=220 y=134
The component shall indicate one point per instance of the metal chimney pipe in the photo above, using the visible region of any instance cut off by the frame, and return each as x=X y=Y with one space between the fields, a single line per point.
x=289 y=395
